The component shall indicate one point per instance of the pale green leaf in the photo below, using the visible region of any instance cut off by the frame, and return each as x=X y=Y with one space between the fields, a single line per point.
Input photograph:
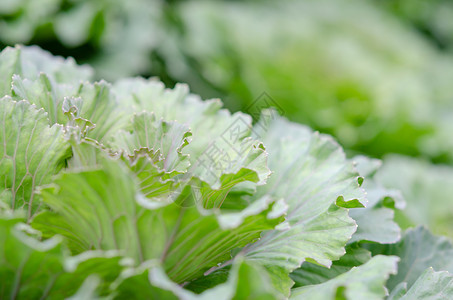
x=427 y=189
x=45 y=94
x=244 y=281
x=105 y=211
x=376 y=221
x=221 y=154
x=310 y=273
x=30 y=269
x=163 y=139
x=430 y=285
x=312 y=175
x=364 y=282
x=398 y=291
x=31 y=153
x=96 y=103
x=418 y=250
x=73 y=104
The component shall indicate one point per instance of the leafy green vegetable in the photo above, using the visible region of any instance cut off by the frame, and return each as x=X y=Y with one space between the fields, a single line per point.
x=135 y=191
x=108 y=214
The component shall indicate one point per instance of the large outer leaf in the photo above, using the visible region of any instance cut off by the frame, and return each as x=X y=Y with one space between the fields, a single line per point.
x=430 y=285
x=376 y=221
x=103 y=211
x=316 y=181
x=245 y=281
x=364 y=282
x=31 y=153
x=30 y=269
x=418 y=250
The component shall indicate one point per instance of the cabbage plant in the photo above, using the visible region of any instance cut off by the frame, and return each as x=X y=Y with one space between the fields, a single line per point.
x=135 y=191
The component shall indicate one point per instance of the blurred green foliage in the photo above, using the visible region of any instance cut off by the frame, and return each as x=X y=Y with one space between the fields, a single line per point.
x=115 y=36
x=432 y=18
x=343 y=67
